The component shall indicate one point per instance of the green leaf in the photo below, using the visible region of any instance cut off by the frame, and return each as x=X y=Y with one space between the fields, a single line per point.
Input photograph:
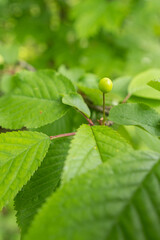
x=148 y=140
x=154 y=103
x=120 y=86
x=155 y=84
x=74 y=74
x=120 y=199
x=6 y=83
x=139 y=87
x=96 y=96
x=76 y=100
x=62 y=125
x=43 y=183
x=90 y=147
x=20 y=155
x=9 y=52
x=137 y=114
x=36 y=100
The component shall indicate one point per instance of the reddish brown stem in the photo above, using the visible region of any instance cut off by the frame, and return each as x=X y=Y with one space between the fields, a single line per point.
x=62 y=135
x=88 y=120
x=126 y=98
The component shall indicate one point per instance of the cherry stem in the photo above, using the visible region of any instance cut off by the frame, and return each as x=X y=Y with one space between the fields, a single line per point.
x=88 y=120
x=104 y=115
x=62 y=135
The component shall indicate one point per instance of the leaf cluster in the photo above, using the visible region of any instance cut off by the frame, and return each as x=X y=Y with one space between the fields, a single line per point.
x=99 y=184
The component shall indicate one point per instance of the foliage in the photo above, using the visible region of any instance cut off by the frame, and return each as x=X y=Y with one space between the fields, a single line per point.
x=91 y=185
x=79 y=164
x=111 y=37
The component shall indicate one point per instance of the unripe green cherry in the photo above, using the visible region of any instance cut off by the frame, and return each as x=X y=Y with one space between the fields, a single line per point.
x=105 y=85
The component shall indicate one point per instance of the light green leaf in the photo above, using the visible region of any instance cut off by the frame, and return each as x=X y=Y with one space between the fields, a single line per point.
x=74 y=74
x=36 y=100
x=120 y=199
x=154 y=103
x=137 y=114
x=20 y=155
x=139 y=87
x=43 y=183
x=120 y=86
x=90 y=147
x=155 y=84
x=6 y=83
x=9 y=52
x=68 y=123
x=62 y=125
x=149 y=141
x=96 y=96
x=76 y=100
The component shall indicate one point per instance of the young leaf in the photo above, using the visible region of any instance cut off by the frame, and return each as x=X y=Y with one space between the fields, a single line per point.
x=155 y=84
x=35 y=101
x=90 y=147
x=42 y=184
x=120 y=199
x=20 y=155
x=139 y=87
x=76 y=100
x=137 y=114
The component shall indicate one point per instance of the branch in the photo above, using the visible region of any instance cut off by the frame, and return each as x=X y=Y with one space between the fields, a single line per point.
x=126 y=98
x=26 y=65
x=88 y=120
x=62 y=135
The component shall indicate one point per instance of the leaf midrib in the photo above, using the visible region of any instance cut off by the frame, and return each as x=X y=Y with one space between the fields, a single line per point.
x=97 y=144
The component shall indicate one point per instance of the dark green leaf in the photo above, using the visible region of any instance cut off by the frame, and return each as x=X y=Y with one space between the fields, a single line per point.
x=118 y=200
x=155 y=84
x=42 y=184
x=36 y=100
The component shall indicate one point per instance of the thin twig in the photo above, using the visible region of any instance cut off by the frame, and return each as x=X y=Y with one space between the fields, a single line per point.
x=26 y=65
x=126 y=98
x=88 y=120
x=62 y=135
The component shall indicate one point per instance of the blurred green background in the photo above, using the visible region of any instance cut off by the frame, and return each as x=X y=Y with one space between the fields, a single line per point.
x=112 y=37
x=105 y=37
x=8 y=225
